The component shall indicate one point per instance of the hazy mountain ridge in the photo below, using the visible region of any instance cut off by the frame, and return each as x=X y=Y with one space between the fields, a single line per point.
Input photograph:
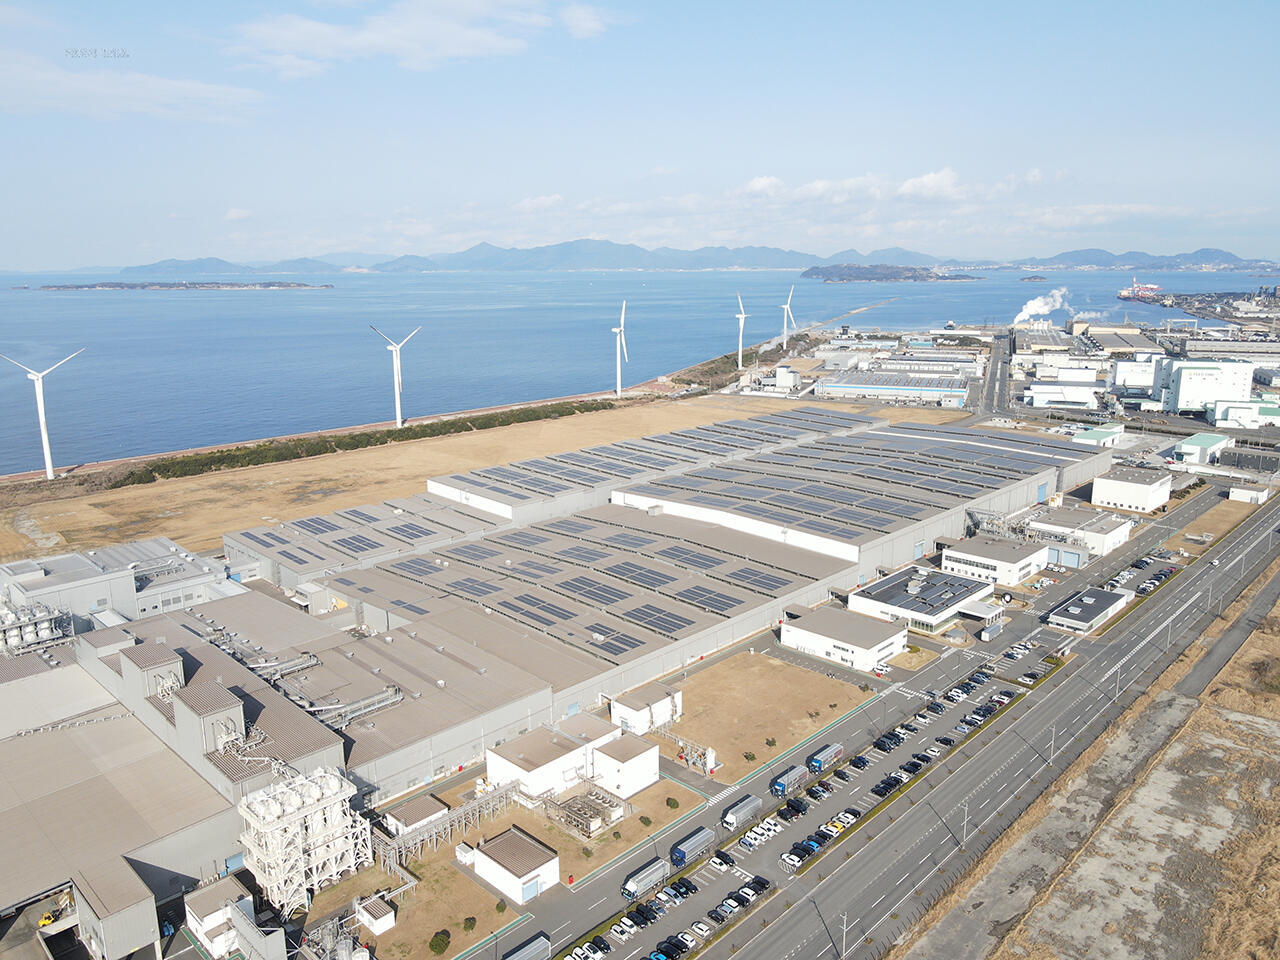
x=606 y=255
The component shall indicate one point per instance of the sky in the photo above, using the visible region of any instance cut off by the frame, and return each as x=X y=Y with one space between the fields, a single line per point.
x=253 y=131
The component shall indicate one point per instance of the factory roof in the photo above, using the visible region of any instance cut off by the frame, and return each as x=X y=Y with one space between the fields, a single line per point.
x=206 y=697
x=110 y=885
x=1138 y=475
x=627 y=747
x=1080 y=518
x=1099 y=433
x=1037 y=339
x=375 y=907
x=101 y=789
x=1205 y=440
x=896 y=381
x=587 y=726
x=517 y=852
x=146 y=655
x=849 y=627
x=1086 y=609
x=645 y=696
x=149 y=561
x=205 y=901
x=417 y=809
x=537 y=748
x=998 y=549
x=924 y=592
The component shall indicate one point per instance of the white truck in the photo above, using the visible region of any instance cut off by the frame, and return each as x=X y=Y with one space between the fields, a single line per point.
x=739 y=813
x=646 y=878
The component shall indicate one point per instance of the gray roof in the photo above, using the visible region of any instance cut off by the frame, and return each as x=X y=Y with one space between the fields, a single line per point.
x=146 y=655
x=1138 y=475
x=923 y=591
x=645 y=696
x=416 y=809
x=1081 y=518
x=205 y=901
x=849 y=627
x=207 y=697
x=994 y=548
x=627 y=747
x=1087 y=609
x=517 y=852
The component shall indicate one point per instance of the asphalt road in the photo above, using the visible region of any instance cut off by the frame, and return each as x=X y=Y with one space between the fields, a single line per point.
x=968 y=792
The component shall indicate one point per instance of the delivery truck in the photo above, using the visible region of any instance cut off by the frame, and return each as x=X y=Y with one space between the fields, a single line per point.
x=788 y=780
x=646 y=878
x=692 y=846
x=739 y=813
x=825 y=758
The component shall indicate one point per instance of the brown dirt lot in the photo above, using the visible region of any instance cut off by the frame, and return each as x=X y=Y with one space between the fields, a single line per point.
x=447 y=893
x=913 y=660
x=735 y=705
x=1217 y=520
x=196 y=511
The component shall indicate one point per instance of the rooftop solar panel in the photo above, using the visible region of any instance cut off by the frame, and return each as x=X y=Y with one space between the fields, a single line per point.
x=755 y=577
x=709 y=599
x=316 y=525
x=417 y=566
x=657 y=619
x=637 y=573
x=590 y=589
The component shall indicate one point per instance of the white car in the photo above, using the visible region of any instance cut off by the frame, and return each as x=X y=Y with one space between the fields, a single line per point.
x=748 y=893
x=771 y=824
x=619 y=933
x=847 y=819
x=591 y=951
x=628 y=926
x=719 y=864
x=791 y=860
x=933 y=751
x=729 y=907
x=687 y=939
x=701 y=929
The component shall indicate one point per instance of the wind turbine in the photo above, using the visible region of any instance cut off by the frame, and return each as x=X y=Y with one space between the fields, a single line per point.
x=788 y=316
x=621 y=348
x=395 y=366
x=44 y=423
x=742 y=322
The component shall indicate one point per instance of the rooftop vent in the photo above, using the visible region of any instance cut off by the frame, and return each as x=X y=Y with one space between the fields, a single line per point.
x=389 y=639
x=440 y=684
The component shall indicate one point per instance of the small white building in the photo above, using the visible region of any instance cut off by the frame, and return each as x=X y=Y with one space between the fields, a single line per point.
x=1051 y=393
x=551 y=759
x=1249 y=494
x=928 y=601
x=1243 y=414
x=221 y=918
x=375 y=915
x=850 y=639
x=627 y=765
x=995 y=560
x=1132 y=488
x=1202 y=448
x=415 y=812
x=1108 y=435
x=1087 y=610
x=1070 y=529
x=646 y=707
x=517 y=865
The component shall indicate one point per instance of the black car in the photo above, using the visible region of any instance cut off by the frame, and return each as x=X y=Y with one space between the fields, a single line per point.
x=860 y=762
x=985 y=710
x=761 y=882
x=815 y=793
x=911 y=766
x=672 y=947
x=648 y=912
x=786 y=814
x=945 y=741
x=883 y=745
x=638 y=918
x=853 y=812
x=715 y=916
x=911 y=727
x=685 y=886
x=843 y=775
x=922 y=757
x=739 y=899
x=801 y=851
x=880 y=790
x=727 y=858
x=936 y=707
x=601 y=944
x=819 y=838
x=967 y=687
x=799 y=806
x=1008 y=693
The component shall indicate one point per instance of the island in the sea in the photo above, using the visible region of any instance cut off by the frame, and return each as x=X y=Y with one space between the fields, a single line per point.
x=854 y=272
x=190 y=285
x=1035 y=278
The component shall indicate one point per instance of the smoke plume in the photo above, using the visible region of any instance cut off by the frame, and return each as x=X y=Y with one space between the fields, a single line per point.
x=1042 y=306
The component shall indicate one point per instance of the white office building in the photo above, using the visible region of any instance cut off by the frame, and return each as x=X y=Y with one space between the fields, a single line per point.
x=517 y=865
x=1132 y=488
x=927 y=601
x=851 y=639
x=1196 y=385
x=1243 y=414
x=1007 y=562
x=1202 y=448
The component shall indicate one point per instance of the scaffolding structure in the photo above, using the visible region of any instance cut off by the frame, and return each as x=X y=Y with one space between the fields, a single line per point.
x=694 y=754
x=301 y=834
x=409 y=846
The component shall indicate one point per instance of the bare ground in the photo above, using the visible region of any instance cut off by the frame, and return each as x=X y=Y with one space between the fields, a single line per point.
x=1219 y=519
x=738 y=704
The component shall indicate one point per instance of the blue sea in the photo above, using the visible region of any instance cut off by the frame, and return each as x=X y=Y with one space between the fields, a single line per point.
x=172 y=370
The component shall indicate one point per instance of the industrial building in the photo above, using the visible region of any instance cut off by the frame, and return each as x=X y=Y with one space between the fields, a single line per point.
x=875 y=385
x=1196 y=385
x=1006 y=562
x=927 y=601
x=644 y=708
x=1067 y=529
x=517 y=864
x=1088 y=610
x=1243 y=414
x=1201 y=448
x=841 y=636
x=1132 y=488
x=1107 y=435
x=1053 y=393
x=423 y=632
x=1248 y=493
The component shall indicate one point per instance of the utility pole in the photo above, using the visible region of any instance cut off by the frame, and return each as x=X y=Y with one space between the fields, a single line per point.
x=965 y=829
x=844 y=932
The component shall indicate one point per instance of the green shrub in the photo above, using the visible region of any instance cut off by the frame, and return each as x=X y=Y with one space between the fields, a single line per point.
x=673 y=803
x=587 y=852
x=748 y=756
x=440 y=942
x=617 y=834
x=646 y=821
x=501 y=906
x=468 y=923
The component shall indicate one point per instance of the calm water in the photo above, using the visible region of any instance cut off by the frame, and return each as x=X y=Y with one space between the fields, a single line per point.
x=170 y=370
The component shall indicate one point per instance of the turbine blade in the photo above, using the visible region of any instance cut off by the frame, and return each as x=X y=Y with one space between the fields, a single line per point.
x=17 y=364
x=790 y=295
x=622 y=335
x=623 y=322
x=382 y=335
x=741 y=308
x=61 y=362
x=409 y=337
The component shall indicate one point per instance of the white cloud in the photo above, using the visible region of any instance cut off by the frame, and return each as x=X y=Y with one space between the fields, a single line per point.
x=941 y=184
x=30 y=84
x=235 y=213
x=763 y=186
x=583 y=22
x=534 y=204
x=418 y=34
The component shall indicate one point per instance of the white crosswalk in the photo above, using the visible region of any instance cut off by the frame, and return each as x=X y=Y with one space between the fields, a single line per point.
x=723 y=794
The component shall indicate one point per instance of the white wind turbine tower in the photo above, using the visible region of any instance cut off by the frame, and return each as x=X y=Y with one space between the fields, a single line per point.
x=742 y=322
x=395 y=366
x=620 y=348
x=788 y=317
x=44 y=423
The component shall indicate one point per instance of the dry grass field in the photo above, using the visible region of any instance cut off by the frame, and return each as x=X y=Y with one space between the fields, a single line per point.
x=738 y=704
x=1220 y=518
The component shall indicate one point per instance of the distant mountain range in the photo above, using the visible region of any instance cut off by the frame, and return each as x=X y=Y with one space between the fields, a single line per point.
x=605 y=255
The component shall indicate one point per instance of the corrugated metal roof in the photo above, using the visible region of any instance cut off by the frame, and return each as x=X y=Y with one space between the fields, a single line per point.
x=517 y=852
x=146 y=655
x=207 y=697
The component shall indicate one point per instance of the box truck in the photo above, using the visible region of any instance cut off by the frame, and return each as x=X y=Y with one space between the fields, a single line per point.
x=646 y=878
x=692 y=846
x=739 y=813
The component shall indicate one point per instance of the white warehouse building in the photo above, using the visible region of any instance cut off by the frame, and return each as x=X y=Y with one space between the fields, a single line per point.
x=1098 y=532
x=1007 y=562
x=844 y=637
x=1132 y=488
x=646 y=707
x=1197 y=385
